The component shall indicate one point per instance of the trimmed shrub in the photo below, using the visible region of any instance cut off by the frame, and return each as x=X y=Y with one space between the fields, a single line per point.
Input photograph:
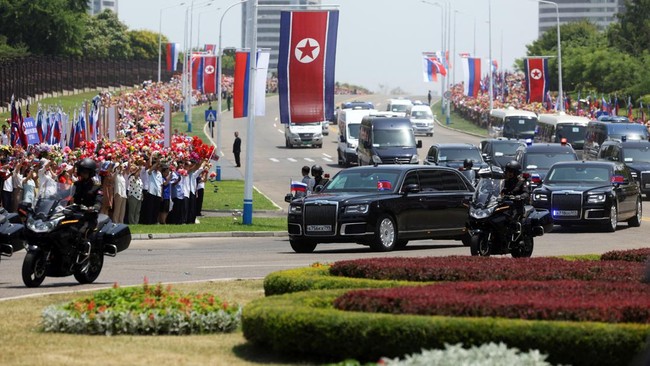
x=317 y=278
x=307 y=323
x=549 y=300
x=631 y=255
x=465 y=268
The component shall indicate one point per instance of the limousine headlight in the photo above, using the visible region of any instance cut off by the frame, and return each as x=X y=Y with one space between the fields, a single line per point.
x=295 y=209
x=596 y=198
x=357 y=209
x=540 y=197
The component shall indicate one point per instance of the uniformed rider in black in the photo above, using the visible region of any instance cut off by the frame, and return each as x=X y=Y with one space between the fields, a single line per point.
x=515 y=185
x=317 y=173
x=88 y=194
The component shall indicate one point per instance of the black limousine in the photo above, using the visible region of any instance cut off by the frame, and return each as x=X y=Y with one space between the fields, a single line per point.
x=383 y=207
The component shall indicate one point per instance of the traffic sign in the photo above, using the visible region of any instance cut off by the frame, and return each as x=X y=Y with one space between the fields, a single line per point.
x=210 y=115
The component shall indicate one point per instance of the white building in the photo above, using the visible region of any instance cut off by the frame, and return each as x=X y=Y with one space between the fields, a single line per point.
x=268 y=25
x=599 y=12
x=97 y=6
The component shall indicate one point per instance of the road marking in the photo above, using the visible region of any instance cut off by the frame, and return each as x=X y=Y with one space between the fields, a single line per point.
x=646 y=219
x=308 y=159
x=292 y=160
x=245 y=266
x=282 y=132
x=327 y=159
x=329 y=156
x=274 y=160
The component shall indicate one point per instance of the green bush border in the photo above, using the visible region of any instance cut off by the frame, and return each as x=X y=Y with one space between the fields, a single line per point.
x=318 y=278
x=306 y=323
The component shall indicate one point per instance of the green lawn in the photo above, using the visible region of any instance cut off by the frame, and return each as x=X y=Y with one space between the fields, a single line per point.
x=215 y=224
x=231 y=197
x=457 y=122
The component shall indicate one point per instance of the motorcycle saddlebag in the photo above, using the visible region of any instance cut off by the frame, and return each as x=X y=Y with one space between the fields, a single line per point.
x=118 y=235
x=11 y=236
x=541 y=217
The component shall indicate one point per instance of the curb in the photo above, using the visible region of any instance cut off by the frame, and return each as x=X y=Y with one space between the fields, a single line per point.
x=225 y=234
x=455 y=129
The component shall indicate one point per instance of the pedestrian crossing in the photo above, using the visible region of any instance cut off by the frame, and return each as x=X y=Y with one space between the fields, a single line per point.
x=326 y=158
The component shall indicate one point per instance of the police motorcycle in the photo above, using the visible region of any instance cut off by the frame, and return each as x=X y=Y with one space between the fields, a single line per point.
x=9 y=226
x=57 y=242
x=495 y=226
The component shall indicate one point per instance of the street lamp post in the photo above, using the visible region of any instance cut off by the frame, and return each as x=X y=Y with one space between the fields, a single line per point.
x=219 y=91
x=559 y=54
x=490 y=56
x=160 y=36
x=442 y=46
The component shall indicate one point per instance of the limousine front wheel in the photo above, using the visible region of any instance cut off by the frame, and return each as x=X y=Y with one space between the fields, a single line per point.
x=302 y=246
x=385 y=235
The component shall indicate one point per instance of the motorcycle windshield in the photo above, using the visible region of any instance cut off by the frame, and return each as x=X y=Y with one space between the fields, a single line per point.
x=53 y=203
x=487 y=191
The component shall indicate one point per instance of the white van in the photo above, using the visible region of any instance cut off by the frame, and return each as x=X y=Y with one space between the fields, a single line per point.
x=421 y=118
x=398 y=106
x=349 y=122
x=303 y=134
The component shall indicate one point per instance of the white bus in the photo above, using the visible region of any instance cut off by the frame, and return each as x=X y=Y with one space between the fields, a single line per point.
x=513 y=123
x=555 y=127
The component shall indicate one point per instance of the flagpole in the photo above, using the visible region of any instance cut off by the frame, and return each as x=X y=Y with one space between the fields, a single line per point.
x=251 y=35
x=490 y=51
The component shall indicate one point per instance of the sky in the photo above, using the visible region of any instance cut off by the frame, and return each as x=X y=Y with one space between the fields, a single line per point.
x=380 y=42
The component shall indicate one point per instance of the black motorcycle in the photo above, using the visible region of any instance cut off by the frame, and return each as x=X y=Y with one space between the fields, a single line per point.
x=502 y=225
x=10 y=227
x=58 y=243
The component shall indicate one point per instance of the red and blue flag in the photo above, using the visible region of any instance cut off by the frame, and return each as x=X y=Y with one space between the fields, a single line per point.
x=537 y=83
x=298 y=187
x=432 y=67
x=384 y=185
x=472 y=71
x=197 y=72
x=306 y=62
x=241 y=85
x=172 y=51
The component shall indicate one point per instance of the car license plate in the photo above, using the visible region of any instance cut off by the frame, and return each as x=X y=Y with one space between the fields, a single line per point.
x=319 y=227
x=566 y=213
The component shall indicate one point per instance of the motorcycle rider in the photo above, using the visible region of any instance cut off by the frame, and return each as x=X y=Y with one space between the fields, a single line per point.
x=317 y=173
x=467 y=170
x=89 y=194
x=515 y=185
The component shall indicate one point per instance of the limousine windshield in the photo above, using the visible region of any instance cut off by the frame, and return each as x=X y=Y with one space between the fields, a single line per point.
x=370 y=180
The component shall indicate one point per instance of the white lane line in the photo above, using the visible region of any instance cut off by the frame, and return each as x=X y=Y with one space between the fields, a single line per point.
x=326 y=155
x=274 y=160
x=309 y=159
x=328 y=160
x=246 y=266
x=282 y=132
x=292 y=160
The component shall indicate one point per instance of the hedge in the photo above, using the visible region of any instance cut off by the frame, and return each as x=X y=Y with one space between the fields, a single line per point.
x=307 y=323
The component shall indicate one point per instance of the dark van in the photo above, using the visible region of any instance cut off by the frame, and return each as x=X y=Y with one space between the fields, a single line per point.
x=387 y=140
x=599 y=131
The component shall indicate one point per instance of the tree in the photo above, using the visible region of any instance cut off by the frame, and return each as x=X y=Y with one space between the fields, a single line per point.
x=51 y=27
x=7 y=51
x=144 y=44
x=632 y=33
x=107 y=37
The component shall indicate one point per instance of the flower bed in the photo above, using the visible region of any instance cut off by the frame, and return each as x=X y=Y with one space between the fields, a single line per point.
x=143 y=310
x=459 y=268
x=550 y=300
x=631 y=255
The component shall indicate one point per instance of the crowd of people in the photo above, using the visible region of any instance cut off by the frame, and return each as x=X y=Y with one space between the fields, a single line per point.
x=141 y=180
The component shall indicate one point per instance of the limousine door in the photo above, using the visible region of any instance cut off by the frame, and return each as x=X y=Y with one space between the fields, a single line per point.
x=445 y=192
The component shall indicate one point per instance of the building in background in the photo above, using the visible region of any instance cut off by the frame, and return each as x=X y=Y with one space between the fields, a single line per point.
x=599 y=12
x=97 y=6
x=268 y=25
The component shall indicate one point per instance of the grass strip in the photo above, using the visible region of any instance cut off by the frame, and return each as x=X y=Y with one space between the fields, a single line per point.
x=215 y=224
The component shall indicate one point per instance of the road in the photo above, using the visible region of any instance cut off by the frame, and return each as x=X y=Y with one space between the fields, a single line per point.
x=201 y=259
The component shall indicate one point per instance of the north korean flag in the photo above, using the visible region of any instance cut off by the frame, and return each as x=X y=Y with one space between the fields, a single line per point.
x=536 y=70
x=210 y=74
x=306 y=62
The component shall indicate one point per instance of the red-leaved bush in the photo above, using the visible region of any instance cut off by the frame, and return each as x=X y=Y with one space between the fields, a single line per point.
x=549 y=300
x=465 y=268
x=631 y=255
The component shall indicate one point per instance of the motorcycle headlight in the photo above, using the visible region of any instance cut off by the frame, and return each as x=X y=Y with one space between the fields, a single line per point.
x=415 y=159
x=357 y=209
x=295 y=209
x=40 y=226
x=596 y=198
x=540 y=197
x=481 y=213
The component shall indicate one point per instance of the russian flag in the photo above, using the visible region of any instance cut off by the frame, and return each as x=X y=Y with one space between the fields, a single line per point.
x=472 y=71
x=306 y=62
x=241 y=92
x=197 y=73
x=298 y=187
x=536 y=71
x=172 y=56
